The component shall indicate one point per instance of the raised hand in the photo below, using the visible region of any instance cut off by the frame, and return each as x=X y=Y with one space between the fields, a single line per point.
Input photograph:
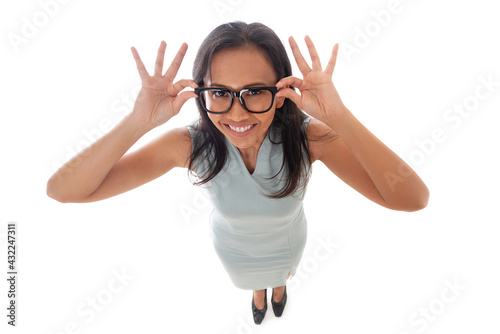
x=318 y=96
x=159 y=98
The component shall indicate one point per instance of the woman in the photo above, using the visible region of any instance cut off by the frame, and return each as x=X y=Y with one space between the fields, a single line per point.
x=252 y=149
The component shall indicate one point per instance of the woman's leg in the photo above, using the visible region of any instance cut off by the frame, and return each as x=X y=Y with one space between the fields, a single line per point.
x=278 y=292
x=258 y=296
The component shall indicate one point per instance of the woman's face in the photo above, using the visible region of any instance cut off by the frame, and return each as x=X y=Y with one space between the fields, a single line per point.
x=237 y=69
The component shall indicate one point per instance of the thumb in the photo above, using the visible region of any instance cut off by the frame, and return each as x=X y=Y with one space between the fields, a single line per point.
x=292 y=95
x=182 y=98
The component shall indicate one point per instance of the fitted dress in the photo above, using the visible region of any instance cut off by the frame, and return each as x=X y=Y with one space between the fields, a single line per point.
x=258 y=240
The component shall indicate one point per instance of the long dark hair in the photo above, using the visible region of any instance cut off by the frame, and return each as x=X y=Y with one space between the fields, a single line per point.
x=287 y=122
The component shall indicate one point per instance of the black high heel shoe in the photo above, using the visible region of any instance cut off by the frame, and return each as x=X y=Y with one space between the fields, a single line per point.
x=279 y=307
x=258 y=315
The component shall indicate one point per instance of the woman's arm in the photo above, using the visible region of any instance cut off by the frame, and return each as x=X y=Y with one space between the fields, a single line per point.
x=84 y=173
x=354 y=154
x=101 y=170
x=366 y=164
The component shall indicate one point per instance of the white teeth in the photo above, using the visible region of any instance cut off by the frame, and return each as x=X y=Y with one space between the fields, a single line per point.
x=246 y=128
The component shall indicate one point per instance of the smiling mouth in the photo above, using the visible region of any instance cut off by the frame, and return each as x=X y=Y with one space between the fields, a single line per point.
x=240 y=129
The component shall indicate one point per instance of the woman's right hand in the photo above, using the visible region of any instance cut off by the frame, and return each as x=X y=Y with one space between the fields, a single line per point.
x=159 y=98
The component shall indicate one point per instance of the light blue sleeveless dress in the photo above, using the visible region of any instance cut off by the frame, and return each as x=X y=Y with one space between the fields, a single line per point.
x=258 y=240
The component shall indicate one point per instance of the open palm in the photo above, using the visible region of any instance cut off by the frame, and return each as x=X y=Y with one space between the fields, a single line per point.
x=159 y=98
x=318 y=95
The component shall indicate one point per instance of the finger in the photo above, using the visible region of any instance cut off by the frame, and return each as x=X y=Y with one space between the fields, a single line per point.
x=176 y=63
x=301 y=62
x=140 y=65
x=316 y=64
x=182 y=98
x=181 y=84
x=289 y=81
x=292 y=95
x=159 y=59
x=333 y=60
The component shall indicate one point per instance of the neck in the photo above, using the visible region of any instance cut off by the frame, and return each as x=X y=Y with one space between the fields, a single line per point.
x=252 y=150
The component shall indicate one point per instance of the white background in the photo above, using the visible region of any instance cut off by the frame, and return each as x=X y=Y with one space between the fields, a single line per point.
x=74 y=74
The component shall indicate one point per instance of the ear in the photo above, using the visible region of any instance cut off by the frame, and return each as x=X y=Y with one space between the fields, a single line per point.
x=280 y=100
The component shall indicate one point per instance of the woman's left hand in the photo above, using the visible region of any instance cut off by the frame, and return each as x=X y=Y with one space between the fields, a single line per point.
x=318 y=96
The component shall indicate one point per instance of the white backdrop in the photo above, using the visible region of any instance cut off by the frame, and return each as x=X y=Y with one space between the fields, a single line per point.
x=422 y=75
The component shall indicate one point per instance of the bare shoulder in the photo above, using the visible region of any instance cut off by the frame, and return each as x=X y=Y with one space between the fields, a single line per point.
x=176 y=143
x=318 y=135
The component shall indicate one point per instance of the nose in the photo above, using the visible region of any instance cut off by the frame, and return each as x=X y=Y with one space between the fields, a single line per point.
x=237 y=112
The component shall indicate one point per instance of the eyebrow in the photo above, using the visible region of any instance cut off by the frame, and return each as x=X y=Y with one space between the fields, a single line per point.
x=254 y=84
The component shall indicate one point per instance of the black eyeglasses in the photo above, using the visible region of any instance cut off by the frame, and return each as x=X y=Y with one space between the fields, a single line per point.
x=256 y=100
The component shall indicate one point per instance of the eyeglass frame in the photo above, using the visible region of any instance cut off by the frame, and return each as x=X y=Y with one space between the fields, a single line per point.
x=234 y=94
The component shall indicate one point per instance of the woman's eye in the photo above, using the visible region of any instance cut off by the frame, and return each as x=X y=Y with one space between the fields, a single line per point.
x=254 y=92
x=219 y=93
